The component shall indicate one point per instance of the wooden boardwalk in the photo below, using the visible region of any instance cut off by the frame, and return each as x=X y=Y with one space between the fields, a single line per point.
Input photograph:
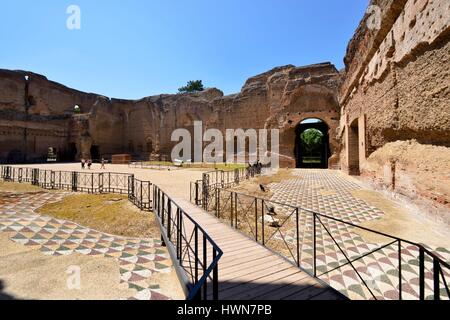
x=249 y=271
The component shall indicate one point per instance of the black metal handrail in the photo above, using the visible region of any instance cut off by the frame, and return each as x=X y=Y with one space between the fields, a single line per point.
x=146 y=165
x=184 y=233
x=248 y=214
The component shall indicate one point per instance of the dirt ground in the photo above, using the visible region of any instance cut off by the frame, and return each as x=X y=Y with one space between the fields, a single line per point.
x=28 y=274
x=399 y=222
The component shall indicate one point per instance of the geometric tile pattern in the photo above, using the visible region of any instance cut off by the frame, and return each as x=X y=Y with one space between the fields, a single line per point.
x=138 y=259
x=329 y=193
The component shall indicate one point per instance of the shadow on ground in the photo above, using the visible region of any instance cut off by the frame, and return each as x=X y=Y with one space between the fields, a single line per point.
x=3 y=294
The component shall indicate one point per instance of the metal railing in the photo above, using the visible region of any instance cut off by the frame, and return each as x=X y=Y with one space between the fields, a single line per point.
x=201 y=190
x=89 y=182
x=153 y=166
x=194 y=247
x=329 y=248
x=195 y=251
x=140 y=193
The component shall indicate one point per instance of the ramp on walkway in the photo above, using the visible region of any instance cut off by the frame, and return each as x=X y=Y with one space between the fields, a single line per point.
x=249 y=271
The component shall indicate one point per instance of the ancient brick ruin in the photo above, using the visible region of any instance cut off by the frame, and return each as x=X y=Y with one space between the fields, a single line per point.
x=395 y=87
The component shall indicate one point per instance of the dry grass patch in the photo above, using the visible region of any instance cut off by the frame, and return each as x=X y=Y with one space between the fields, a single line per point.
x=108 y=213
x=251 y=187
x=18 y=187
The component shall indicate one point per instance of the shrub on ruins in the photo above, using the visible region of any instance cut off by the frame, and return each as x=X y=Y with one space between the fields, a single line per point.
x=192 y=86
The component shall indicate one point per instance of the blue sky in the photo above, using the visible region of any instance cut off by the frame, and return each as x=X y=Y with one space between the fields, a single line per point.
x=135 y=48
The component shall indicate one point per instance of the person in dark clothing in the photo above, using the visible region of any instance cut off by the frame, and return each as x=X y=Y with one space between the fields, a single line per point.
x=83 y=163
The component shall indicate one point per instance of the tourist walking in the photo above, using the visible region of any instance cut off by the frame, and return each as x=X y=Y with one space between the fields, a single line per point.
x=89 y=164
x=83 y=163
x=103 y=163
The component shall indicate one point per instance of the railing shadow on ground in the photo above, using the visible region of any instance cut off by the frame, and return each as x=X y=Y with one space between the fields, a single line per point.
x=331 y=249
x=196 y=256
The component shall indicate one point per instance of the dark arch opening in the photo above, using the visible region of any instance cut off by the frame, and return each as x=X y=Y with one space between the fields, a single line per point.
x=95 y=153
x=312 y=144
x=72 y=152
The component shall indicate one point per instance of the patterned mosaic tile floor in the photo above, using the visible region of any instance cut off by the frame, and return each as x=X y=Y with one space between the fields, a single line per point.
x=329 y=193
x=138 y=259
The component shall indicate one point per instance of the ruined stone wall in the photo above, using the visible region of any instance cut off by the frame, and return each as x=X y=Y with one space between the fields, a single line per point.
x=397 y=79
x=38 y=113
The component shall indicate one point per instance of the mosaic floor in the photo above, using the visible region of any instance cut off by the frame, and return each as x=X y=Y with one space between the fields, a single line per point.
x=330 y=193
x=138 y=259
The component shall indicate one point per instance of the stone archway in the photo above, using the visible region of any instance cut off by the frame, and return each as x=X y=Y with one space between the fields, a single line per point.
x=317 y=153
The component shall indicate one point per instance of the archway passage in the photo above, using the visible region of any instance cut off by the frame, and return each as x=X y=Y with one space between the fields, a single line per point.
x=312 y=145
x=95 y=153
x=71 y=152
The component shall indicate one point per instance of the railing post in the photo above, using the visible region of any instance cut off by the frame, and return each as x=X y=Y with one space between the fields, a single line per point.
x=422 y=273
x=436 y=273
x=231 y=209
x=141 y=200
x=178 y=233
x=52 y=179
x=235 y=211
x=400 y=270
x=215 y=278
x=74 y=182
x=180 y=230
x=314 y=245
x=298 y=240
x=256 y=219
x=196 y=259
x=218 y=203
x=205 y=261
x=196 y=192
x=169 y=222
x=163 y=196
x=263 y=210
x=149 y=188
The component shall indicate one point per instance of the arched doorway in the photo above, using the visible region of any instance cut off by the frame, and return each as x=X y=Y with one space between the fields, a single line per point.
x=312 y=145
x=72 y=152
x=95 y=153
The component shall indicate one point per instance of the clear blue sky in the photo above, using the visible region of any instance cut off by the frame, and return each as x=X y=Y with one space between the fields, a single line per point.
x=135 y=48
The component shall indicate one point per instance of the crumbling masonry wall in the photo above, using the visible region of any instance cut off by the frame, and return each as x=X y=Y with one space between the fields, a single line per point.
x=37 y=113
x=397 y=88
x=397 y=81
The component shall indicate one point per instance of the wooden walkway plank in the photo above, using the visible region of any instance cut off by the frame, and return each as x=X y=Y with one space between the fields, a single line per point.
x=247 y=270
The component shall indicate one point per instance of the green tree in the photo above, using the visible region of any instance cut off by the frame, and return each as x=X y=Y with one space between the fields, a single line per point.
x=192 y=86
x=311 y=138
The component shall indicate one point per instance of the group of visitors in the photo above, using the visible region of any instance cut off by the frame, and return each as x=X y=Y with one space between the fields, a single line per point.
x=85 y=163
x=254 y=169
x=88 y=163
